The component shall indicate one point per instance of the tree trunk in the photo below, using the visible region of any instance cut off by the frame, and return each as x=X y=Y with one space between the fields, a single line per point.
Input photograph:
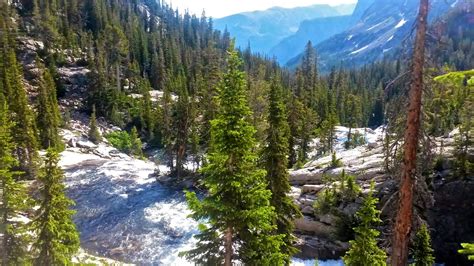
x=403 y=221
x=119 y=87
x=3 y=227
x=228 y=247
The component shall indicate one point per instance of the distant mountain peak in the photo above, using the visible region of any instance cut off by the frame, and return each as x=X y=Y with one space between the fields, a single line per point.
x=382 y=27
x=263 y=29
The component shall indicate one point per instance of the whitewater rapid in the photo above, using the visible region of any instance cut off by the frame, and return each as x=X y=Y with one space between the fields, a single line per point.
x=124 y=214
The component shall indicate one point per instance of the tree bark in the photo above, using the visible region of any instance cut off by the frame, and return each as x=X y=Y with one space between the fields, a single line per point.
x=3 y=226
x=403 y=221
x=228 y=247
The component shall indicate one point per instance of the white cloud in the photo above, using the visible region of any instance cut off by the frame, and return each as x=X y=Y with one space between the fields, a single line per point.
x=221 y=8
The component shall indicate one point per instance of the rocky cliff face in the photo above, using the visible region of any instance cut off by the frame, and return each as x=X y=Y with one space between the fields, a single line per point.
x=452 y=220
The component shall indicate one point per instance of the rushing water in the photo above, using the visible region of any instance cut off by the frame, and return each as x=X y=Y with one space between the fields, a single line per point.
x=123 y=214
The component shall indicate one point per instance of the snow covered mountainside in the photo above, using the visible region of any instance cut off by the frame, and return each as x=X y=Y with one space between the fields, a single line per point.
x=380 y=31
x=316 y=30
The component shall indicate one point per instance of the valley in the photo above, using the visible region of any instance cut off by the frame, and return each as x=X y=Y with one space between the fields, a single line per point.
x=135 y=133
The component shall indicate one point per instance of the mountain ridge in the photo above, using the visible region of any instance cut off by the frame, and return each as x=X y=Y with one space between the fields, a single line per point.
x=382 y=28
x=316 y=31
x=264 y=29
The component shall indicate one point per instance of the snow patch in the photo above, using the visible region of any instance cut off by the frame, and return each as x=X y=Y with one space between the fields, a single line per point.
x=375 y=26
x=401 y=23
x=359 y=50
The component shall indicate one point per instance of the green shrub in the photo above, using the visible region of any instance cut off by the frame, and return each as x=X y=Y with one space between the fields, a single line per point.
x=120 y=140
x=326 y=201
x=298 y=165
x=335 y=163
x=468 y=249
x=351 y=189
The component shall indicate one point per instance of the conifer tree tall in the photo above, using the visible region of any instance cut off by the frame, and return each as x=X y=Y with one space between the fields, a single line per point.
x=24 y=129
x=181 y=127
x=49 y=118
x=364 y=250
x=166 y=126
x=13 y=197
x=58 y=239
x=275 y=155
x=422 y=251
x=136 y=143
x=94 y=134
x=236 y=215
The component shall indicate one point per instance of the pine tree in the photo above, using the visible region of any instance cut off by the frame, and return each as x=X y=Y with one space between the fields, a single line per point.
x=295 y=119
x=24 y=129
x=181 y=126
x=166 y=130
x=327 y=132
x=14 y=198
x=422 y=251
x=353 y=116
x=237 y=207
x=364 y=250
x=194 y=138
x=94 y=134
x=58 y=239
x=149 y=124
x=136 y=143
x=48 y=118
x=275 y=155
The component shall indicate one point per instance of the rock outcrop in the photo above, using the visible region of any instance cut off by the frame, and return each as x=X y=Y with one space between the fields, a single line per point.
x=448 y=202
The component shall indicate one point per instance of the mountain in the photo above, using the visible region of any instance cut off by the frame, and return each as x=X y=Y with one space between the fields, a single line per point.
x=264 y=29
x=382 y=28
x=316 y=31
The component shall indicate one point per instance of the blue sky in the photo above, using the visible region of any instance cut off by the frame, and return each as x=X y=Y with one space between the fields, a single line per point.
x=221 y=8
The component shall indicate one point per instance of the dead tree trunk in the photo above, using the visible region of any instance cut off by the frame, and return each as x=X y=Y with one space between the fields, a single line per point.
x=403 y=221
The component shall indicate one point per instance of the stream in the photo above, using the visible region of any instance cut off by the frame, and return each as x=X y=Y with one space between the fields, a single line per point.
x=124 y=214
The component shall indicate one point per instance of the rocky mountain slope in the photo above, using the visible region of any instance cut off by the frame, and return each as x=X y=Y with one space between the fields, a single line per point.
x=381 y=30
x=264 y=29
x=316 y=31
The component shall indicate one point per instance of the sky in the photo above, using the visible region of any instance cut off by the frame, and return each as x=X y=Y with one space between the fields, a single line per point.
x=222 y=8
